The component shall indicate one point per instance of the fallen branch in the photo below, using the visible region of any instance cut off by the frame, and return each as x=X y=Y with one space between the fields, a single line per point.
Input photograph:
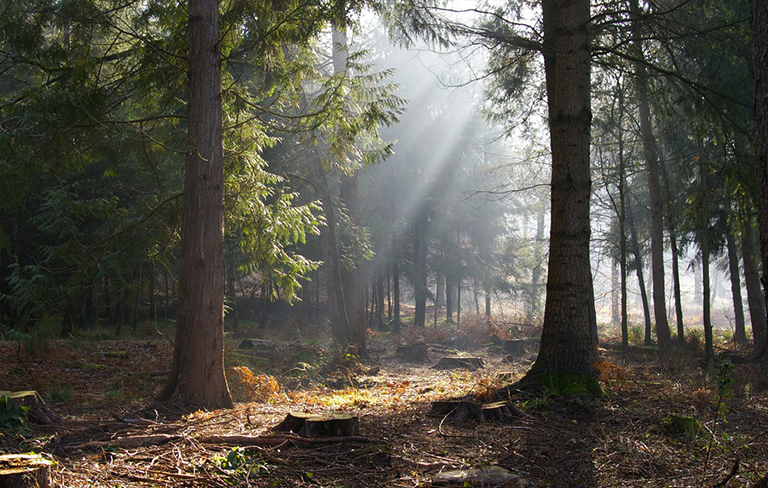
x=128 y=442
x=276 y=440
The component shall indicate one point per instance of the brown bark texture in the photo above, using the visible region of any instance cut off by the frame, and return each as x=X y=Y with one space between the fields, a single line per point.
x=755 y=298
x=197 y=372
x=651 y=154
x=759 y=9
x=567 y=344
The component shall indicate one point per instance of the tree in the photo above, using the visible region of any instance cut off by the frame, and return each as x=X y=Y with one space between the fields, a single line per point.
x=568 y=348
x=652 y=166
x=197 y=371
x=759 y=11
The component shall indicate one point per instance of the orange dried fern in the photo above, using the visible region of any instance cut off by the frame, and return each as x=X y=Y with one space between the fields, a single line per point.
x=248 y=387
x=610 y=374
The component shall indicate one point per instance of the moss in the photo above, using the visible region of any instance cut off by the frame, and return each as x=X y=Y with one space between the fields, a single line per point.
x=686 y=427
x=570 y=385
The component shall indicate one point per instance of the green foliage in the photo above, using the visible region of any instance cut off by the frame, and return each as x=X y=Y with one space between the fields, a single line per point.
x=93 y=105
x=13 y=418
x=687 y=428
x=58 y=395
x=635 y=334
x=238 y=464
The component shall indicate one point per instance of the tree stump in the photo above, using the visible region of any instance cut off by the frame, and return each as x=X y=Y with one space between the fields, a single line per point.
x=484 y=476
x=459 y=363
x=416 y=353
x=316 y=425
x=516 y=347
x=462 y=410
x=24 y=471
x=38 y=411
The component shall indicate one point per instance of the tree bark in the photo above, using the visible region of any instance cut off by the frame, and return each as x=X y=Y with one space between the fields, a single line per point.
x=197 y=371
x=759 y=10
x=755 y=299
x=340 y=328
x=396 y=323
x=420 y=274
x=709 y=348
x=651 y=155
x=568 y=348
x=740 y=333
x=675 y=258
x=353 y=279
x=641 y=279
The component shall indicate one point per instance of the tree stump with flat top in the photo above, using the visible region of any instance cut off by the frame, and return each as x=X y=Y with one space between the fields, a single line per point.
x=37 y=410
x=24 y=471
x=415 y=353
x=319 y=425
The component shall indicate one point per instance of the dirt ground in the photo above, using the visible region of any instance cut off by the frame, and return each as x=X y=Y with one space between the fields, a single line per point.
x=108 y=437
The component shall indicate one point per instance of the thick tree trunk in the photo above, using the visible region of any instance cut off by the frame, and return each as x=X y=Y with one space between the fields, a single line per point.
x=197 y=372
x=759 y=9
x=353 y=280
x=340 y=328
x=740 y=332
x=755 y=298
x=568 y=348
x=651 y=154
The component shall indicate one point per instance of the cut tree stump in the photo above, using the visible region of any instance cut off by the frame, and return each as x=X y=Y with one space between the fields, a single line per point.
x=416 y=353
x=316 y=425
x=24 y=471
x=485 y=476
x=38 y=411
x=459 y=363
x=462 y=410
x=515 y=347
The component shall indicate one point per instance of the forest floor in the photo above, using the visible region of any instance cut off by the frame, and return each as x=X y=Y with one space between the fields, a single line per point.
x=108 y=437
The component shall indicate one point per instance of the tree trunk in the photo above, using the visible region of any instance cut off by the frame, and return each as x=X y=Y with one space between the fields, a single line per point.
x=420 y=274
x=640 y=279
x=623 y=228
x=458 y=276
x=379 y=284
x=759 y=10
x=675 y=259
x=740 y=333
x=651 y=155
x=352 y=279
x=449 y=299
x=709 y=347
x=197 y=371
x=534 y=295
x=339 y=322
x=755 y=298
x=568 y=349
x=396 y=323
